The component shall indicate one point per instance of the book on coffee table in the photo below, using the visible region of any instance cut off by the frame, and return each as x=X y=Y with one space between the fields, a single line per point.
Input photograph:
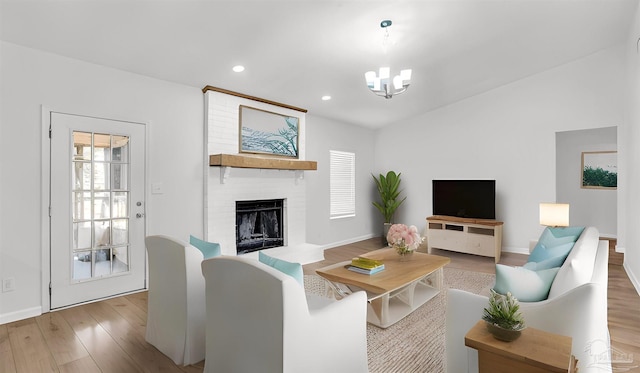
x=366 y=263
x=365 y=271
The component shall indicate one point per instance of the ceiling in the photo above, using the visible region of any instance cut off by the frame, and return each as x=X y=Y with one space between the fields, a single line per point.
x=297 y=51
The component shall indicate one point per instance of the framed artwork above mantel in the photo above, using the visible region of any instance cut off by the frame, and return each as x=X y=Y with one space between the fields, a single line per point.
x=599 y=170
x=268 y=133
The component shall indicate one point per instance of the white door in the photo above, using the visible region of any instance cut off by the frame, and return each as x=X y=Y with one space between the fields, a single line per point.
x=97 y=208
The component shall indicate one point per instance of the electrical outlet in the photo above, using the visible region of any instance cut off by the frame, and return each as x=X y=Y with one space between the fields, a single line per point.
x=8 y=284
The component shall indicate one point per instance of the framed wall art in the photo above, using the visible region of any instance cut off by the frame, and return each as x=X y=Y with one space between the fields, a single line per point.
x=599 y=170
x=265 y=132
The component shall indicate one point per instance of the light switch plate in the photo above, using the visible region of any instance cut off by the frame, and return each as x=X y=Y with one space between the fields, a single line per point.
x=156 y=188
x=8 y=284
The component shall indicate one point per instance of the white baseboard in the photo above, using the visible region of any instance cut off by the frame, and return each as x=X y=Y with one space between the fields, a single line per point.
x=20 y=315
x=515 y=250
x=632 y=277
x=608 y=236
x=349 y=241
x=620 y=249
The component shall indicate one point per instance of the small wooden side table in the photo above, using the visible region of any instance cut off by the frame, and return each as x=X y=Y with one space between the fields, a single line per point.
x=536 y=351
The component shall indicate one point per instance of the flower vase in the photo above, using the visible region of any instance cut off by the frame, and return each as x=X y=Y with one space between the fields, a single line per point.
x=406 y=256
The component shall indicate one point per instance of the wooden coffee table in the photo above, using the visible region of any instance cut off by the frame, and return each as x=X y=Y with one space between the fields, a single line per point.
x=395 y=292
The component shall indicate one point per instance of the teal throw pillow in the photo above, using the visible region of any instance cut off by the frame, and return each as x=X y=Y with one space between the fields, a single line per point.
x=554 y=242
x=542 y=253
x=524 y=284
x=209 y=249
x=553 y=236
x=552 y=262
x=292 y=269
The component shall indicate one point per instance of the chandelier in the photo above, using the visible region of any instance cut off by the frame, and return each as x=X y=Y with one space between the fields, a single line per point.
x=382 y=84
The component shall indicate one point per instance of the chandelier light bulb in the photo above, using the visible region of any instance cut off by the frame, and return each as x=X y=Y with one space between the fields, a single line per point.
x=397 y=82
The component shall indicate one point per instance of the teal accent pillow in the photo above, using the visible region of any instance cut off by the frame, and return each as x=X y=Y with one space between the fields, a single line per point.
x=292 y=269
x=542 y=253
x=209 y=249
x=555 y=242
x=553 y=236
x=524 y=284
x=552 y=262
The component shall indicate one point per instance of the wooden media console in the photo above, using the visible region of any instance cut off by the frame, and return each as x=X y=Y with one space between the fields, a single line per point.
x=471 y=236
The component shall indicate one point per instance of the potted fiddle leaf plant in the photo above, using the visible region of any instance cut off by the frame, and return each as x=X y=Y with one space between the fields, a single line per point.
x=389 y=190
x=503 y=317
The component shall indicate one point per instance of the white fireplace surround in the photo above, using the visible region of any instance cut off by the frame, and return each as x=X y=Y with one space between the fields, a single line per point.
x=242 y=184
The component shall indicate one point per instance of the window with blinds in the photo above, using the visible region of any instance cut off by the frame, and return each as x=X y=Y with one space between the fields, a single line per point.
x=342 y=184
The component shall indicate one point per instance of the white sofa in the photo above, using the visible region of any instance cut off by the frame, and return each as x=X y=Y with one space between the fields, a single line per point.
x=576 y=307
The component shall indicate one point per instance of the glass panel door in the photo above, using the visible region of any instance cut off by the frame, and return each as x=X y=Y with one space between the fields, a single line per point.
x=100 y=198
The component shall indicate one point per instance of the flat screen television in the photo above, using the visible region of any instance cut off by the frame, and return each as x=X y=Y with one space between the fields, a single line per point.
x=465 y=198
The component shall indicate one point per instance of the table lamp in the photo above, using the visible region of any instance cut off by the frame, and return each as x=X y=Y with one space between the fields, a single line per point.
x=554 y=214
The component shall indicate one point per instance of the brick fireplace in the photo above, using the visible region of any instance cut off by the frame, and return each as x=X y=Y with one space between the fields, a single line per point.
x=226 y=186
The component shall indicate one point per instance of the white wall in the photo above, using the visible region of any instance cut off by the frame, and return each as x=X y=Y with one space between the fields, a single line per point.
x=629 y=159
x=324 y=135
x=173 y=113
x=588 y=207
x=507 y=134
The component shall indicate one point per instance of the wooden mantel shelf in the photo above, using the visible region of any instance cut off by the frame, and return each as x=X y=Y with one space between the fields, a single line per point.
x=247 y=161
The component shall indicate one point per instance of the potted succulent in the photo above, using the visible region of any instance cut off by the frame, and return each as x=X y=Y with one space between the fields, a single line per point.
x=388 y=188
x=503 y=317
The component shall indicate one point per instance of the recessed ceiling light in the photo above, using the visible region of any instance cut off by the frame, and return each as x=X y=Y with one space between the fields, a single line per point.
x=238 y=68
x=326 y=98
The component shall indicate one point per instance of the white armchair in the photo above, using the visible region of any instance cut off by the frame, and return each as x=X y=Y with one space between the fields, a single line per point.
x=580 y=312
x=259 y=320
x=176 y=304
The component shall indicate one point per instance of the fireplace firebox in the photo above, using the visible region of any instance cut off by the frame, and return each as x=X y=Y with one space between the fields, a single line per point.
x=259 y=225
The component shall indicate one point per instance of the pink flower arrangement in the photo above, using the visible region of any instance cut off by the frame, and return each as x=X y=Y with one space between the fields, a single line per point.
x=404 y=238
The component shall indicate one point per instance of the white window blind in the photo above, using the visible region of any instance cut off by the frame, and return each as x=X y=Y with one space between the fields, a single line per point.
x=342 y=184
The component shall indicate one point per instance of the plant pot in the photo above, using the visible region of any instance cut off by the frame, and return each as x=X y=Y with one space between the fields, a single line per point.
x=502 y=334
x=385 y=231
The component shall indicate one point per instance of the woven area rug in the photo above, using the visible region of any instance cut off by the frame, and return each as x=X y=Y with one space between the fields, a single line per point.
x=415 y=343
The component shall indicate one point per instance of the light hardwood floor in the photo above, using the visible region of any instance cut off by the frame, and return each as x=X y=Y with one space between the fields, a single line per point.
x=108 y=336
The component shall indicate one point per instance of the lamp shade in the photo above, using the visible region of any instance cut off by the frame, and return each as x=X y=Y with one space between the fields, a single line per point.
x=554 y=214
x=370 y=77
